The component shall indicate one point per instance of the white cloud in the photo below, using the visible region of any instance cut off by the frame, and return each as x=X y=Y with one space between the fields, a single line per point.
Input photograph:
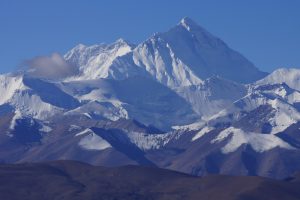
x=50 y=67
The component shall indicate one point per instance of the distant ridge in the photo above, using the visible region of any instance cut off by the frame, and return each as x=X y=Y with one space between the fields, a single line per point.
x=72 y=180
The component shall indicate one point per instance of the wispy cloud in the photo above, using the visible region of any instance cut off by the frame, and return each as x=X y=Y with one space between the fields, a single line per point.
x=50 y=67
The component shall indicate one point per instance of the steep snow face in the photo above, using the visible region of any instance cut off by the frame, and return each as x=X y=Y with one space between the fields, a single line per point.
x=23 y=99
x=291 y=77
x=285 y=115
x=158 y=59
x=95 y=61
x=9 y=85
x=259 y=142
x=188 y=54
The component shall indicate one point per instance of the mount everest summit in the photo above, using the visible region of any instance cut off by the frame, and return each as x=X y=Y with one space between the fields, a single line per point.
x=180 y=100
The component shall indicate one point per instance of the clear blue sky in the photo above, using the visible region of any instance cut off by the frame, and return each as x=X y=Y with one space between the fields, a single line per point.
x=267 y=32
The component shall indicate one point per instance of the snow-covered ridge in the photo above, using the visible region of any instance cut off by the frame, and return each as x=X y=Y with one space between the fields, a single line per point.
x=23 y=99
x=279 y=100
x=289 y=76
x=94 y=61
x=259 y=142
x=9 y=85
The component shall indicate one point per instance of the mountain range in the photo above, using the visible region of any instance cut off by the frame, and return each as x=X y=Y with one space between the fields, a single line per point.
x=180 y=100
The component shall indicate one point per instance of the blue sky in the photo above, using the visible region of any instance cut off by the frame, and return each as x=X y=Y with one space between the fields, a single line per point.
x=267 y=32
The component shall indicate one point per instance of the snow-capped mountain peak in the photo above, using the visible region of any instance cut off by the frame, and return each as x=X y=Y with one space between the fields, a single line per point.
x=204 y=54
